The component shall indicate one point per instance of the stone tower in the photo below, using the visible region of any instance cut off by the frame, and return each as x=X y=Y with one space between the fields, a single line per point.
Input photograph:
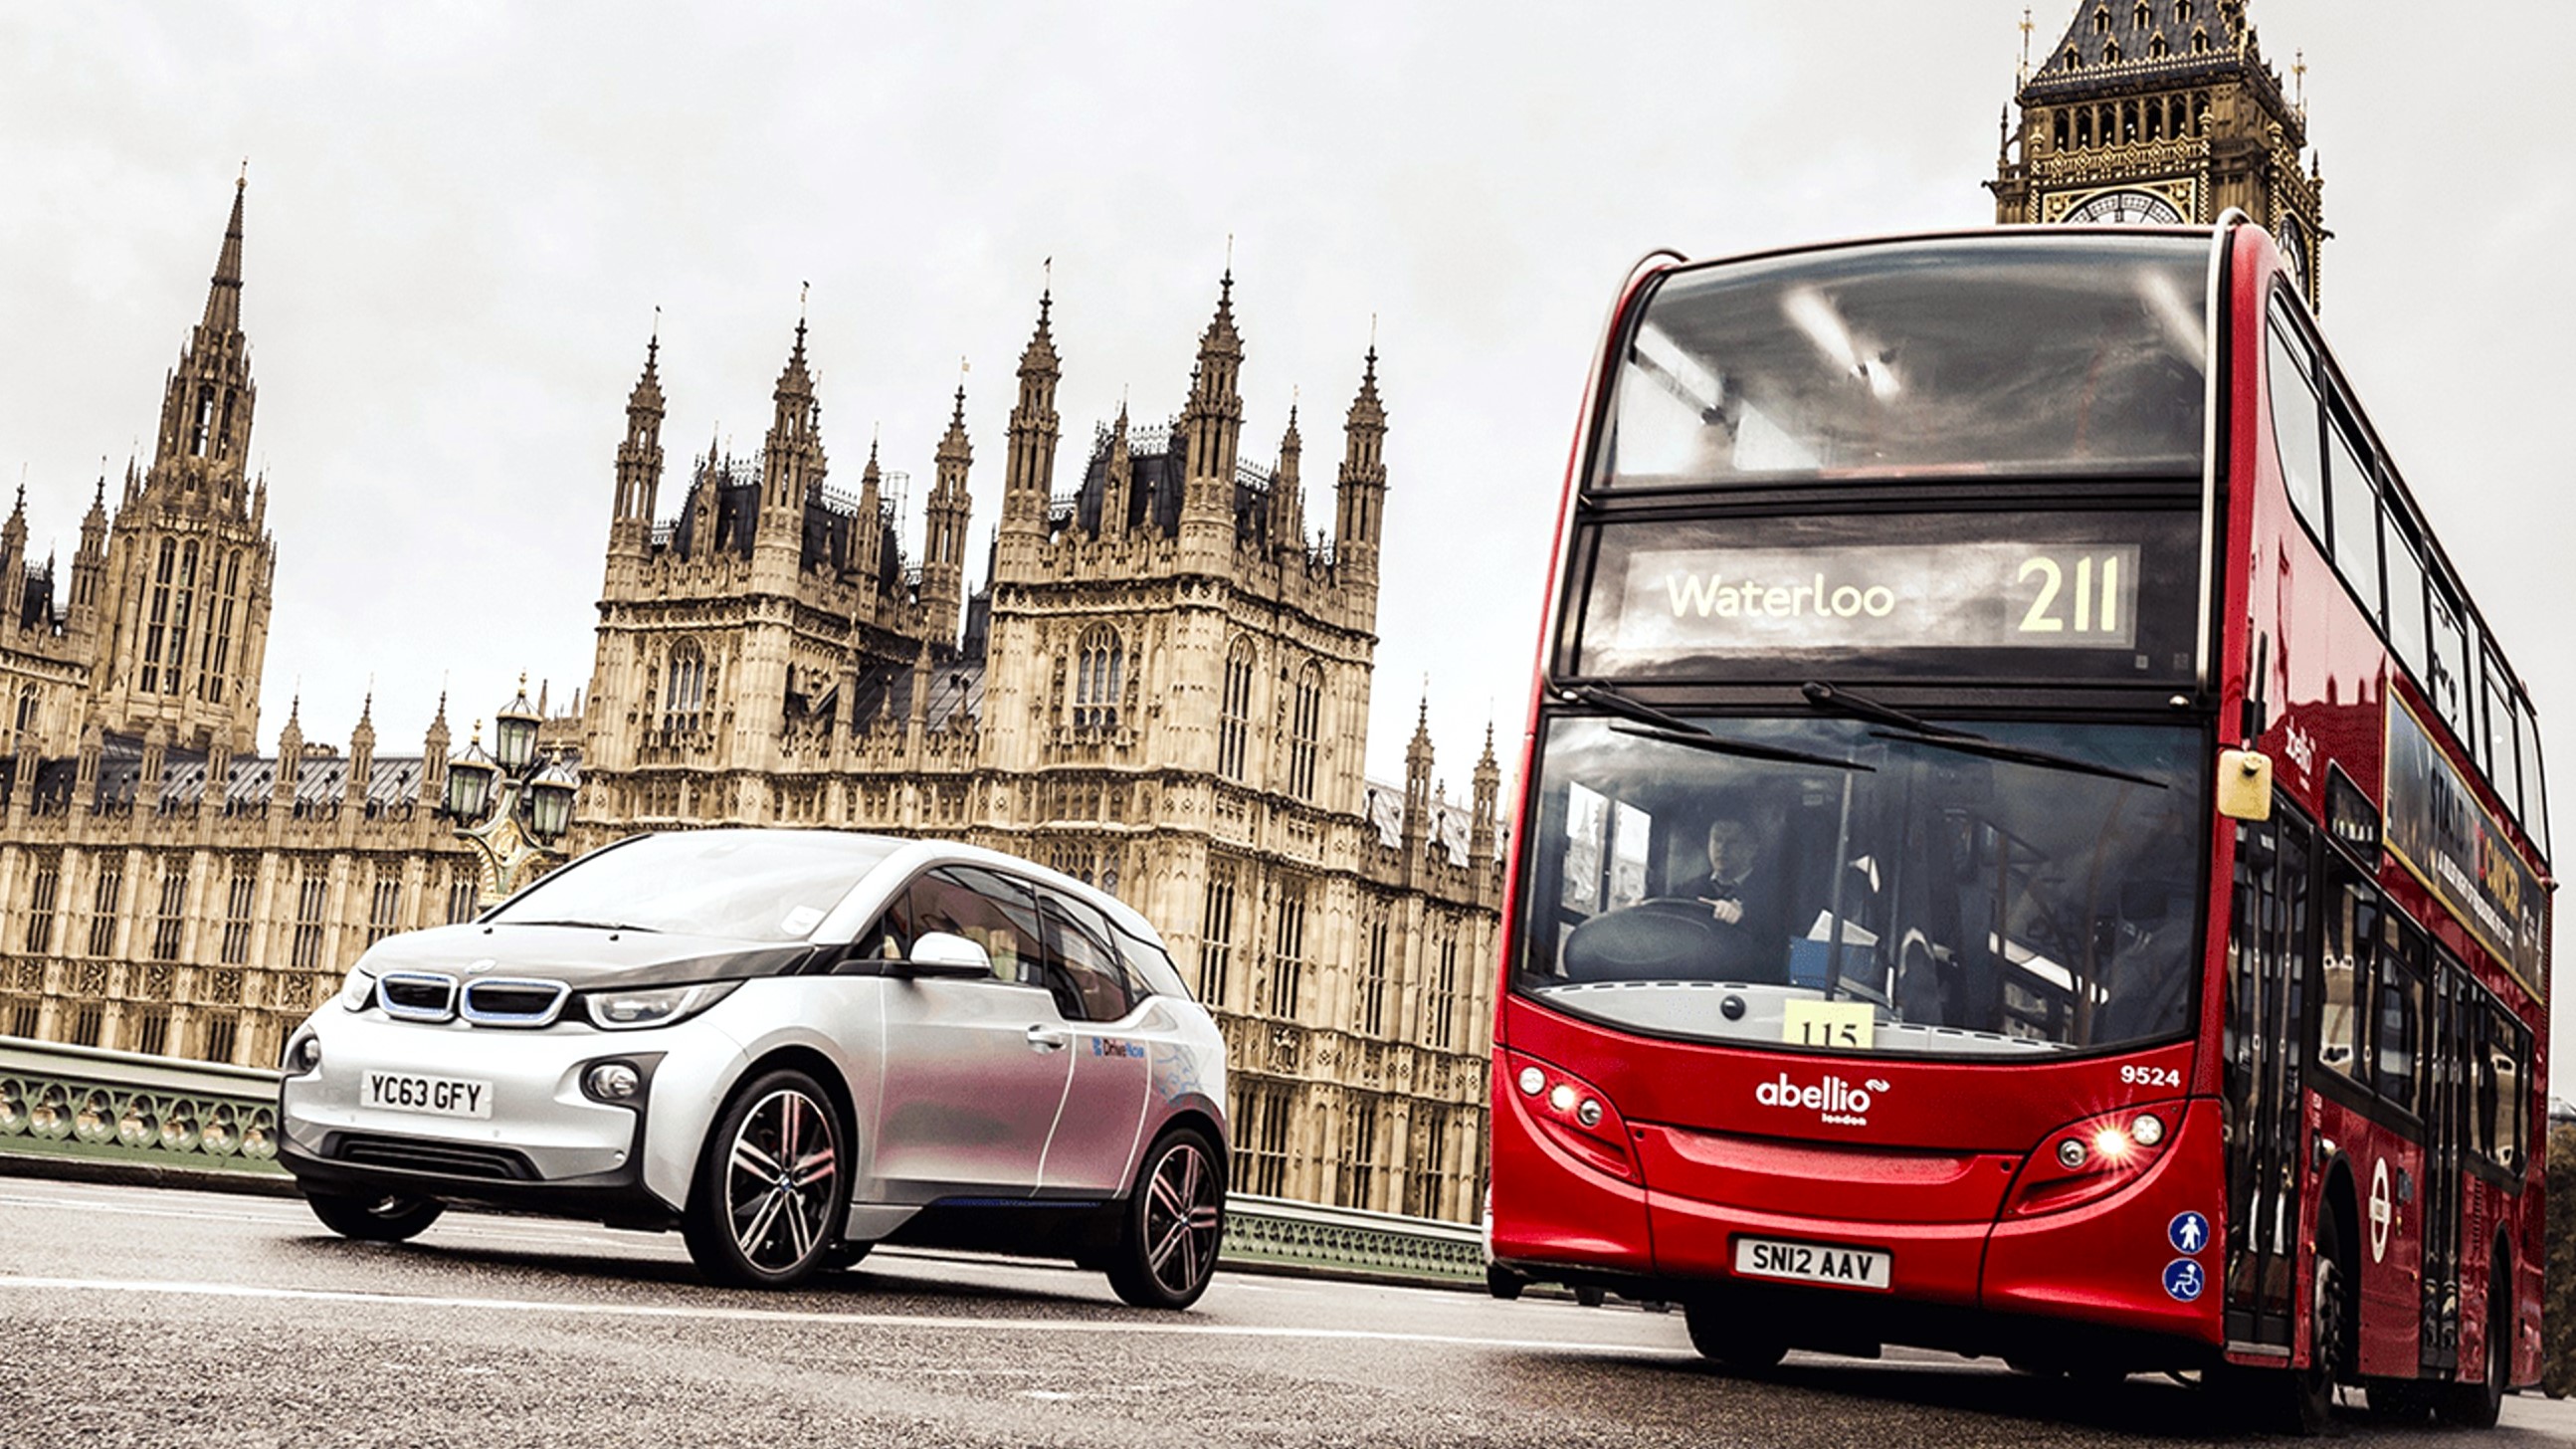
x=731 y=636
x=2163 y=111
x=176 y=592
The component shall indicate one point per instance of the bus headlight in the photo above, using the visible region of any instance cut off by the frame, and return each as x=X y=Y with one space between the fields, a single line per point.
x=1575 y=1116
x=2090 y=1159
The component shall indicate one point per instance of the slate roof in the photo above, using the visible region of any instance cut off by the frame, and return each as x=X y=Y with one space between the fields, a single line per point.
x=956 y=694
x=1383 y=804
x=247 y=782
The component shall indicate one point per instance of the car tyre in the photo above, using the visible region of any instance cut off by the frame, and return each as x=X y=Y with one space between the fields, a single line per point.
x=772 y=1186
x=384 y=1217
x=1172 y=1224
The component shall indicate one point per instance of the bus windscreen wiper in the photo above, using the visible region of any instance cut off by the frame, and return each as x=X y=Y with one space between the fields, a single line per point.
x=1918 y=730
x=1843 y=701
x=1651 y=723
x=2017 y=754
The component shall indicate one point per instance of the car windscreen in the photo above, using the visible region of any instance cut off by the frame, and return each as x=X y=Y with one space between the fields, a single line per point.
x=722 y=884
x=2006 y=355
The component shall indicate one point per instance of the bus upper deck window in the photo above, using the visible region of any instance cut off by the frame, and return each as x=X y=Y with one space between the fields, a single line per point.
x=2405 y=598
x=2356 y=515
x=2297 y=425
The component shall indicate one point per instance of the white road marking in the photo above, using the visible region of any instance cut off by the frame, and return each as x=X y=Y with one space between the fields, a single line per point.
x=654 y=1311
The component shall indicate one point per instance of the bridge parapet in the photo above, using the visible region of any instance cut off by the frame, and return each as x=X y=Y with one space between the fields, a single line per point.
x=153 y=1112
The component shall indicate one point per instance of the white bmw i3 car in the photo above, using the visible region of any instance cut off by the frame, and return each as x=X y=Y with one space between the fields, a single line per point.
x=790 y=1044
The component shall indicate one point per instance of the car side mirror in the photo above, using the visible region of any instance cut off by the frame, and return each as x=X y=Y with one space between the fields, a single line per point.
x=945 y=954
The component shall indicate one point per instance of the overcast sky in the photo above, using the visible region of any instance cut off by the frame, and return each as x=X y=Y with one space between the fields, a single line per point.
x=461 y=218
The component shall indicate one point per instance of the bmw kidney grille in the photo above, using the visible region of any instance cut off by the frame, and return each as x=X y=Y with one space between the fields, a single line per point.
x=508 y=1002
x=417 y=995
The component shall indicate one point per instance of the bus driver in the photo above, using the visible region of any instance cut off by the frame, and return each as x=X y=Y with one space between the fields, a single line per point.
x=1744 y=888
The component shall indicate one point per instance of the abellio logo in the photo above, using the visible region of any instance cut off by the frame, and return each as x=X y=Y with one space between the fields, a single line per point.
x=1834 y=1099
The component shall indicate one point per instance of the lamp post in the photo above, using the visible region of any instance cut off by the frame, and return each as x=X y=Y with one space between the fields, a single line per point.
x=509 y=805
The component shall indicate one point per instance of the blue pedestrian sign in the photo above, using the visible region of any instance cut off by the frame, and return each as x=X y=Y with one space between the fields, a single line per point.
x=2189 y=1232
x=2184 y=1280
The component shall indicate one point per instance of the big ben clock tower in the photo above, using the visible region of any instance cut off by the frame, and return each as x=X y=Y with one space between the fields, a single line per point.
x=2162 y=111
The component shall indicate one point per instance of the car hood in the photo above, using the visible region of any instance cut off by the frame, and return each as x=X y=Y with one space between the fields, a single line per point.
x=583 y=956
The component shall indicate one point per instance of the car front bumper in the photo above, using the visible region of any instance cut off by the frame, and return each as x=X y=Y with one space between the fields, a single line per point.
x=545 y=1146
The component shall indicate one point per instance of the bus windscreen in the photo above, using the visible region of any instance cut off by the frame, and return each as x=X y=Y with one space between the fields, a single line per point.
x=1836 y=884
x=2076 y=355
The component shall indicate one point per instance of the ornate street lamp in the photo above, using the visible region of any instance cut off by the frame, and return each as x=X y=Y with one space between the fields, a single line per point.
x=513 y=809
x=469 y=779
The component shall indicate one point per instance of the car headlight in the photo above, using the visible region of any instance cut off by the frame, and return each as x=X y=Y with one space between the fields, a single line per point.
x=652 y=1006
x=359 y=991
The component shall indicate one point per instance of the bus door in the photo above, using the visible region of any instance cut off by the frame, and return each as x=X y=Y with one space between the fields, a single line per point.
x=2446 y=1121
x=2369 y=1037
x=2271 y=926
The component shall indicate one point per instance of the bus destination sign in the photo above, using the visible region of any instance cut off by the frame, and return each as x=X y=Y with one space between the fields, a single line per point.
x=2439 y=830
x=1967 y=595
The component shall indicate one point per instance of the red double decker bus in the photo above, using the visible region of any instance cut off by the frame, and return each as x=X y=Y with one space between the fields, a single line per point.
x=2026 y=846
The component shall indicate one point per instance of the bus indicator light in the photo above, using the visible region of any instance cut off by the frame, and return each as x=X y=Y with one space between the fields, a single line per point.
x=1533 y=1081
x=2149 y=1130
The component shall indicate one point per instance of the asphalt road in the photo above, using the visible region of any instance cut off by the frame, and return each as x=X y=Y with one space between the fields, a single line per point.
x=140 y=1317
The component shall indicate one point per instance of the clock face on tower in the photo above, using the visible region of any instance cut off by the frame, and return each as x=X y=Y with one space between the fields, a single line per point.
x=2294 y=250
x=2135 y=208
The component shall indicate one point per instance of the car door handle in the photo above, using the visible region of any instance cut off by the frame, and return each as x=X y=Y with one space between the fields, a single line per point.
x=1048 y=1038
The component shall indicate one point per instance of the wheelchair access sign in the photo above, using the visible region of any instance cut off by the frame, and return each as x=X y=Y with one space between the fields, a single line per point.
x=2184 y=1280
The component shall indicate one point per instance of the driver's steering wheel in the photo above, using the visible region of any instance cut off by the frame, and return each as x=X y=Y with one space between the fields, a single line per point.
x=1667 y=938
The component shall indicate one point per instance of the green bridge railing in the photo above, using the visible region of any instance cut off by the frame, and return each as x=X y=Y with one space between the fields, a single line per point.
x=156 y=1112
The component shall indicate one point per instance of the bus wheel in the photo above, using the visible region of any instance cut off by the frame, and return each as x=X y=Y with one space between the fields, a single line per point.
x=2475 y=1406
x=1723 y=1337
x=2330 y=1326
x=2300 y=1401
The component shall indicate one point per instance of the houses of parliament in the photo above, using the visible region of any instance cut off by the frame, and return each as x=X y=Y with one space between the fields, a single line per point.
x=1161 y=685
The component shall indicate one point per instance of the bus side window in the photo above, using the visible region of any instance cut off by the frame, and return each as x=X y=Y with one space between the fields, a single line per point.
x=2400 y=1027
x=2296 y=425
x=2500 y=1072
x=2448 y=682
x=2535 y=797
x=2495 y=733
x=2406 y=599
x=2351 y=909
x=2356 y=513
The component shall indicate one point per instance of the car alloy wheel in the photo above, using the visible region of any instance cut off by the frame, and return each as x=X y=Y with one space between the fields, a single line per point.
x=771 y=1186
x=1175 y=1224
